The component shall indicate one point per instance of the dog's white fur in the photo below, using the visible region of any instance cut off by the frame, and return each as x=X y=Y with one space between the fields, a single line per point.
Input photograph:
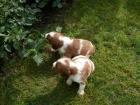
x=79 y=49
x=81 y=74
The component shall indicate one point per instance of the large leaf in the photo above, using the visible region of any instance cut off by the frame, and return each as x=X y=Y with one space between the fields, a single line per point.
x=32 y=52
x=3 y=54
x=7 y=47
x=1 y=4
x=59 y=5
x=29 y=23
x=16 y=45
x=38 y=45
x=2 y=29
x=34 y=5
x=26 y=54
x=22 y=1
x=43 y=3
x=54 y=4
x=34 y=11
x=22 y=51
x=31 y=43
x=29 y=53
x=58 y=29
x=38 y=58
x=37 y=1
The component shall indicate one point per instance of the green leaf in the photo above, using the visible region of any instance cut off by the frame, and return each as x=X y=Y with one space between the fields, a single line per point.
x=31 y=51
x=6 y=39
x=26 y=54
x=34 y=5
x=2 y=29
x=43 y=3
x=3 y=54
x=16 y=45
x=33 y=11
x=38 y=45
x=38 y=58
x=25 y=42
x=54 y=4
x=1 y=4
x=58 y=29
x=7 y=47
x=28 y=23
x=3 y=35
x=22 y=1
x=31 y=43
x=20 y=8
x=59 y=5
x=38 y=10
x=18 y=37
x=37 y=1
x=21 y=52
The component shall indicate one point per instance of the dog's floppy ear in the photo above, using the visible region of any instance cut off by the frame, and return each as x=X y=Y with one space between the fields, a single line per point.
x=56 y=43
x=47 y=35
x=57 y=67
x=49 y=38
x=66 y=72
x=73 y=70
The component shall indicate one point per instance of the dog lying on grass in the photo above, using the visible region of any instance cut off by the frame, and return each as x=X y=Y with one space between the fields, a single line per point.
x=70 y=47
x=77 y=69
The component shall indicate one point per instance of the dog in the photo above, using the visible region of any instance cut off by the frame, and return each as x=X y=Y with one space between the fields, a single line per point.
x=69 y=47
x=77 y=69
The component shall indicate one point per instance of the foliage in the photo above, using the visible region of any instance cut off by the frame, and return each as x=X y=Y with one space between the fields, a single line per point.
x=14 y=16
x=109 y=24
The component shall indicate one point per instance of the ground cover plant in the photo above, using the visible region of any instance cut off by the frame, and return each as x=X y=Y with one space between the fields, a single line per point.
x=113 y=26
x=16 y=16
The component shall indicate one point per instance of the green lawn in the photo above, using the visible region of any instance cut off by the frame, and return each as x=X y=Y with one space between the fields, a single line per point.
x=113 y=26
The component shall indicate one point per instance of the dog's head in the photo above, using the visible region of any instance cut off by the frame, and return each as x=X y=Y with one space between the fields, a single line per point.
x=64 y=67
x=54 y=40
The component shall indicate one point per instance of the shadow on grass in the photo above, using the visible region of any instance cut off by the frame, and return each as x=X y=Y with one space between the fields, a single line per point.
x=21 y=76
x=62 y=94
x=58 y=95
x=45 y=69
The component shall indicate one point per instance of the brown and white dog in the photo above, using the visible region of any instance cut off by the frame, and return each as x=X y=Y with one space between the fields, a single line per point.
x=70 y=47
x=77 y=69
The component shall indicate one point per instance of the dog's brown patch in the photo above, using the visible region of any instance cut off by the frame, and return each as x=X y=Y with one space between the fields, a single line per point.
x=54 y=41
x=85 y=72
x=72 y=50
x=74 y=69
x=87 y=47
x=64 y=69
x=92 y=69
x=92 y=50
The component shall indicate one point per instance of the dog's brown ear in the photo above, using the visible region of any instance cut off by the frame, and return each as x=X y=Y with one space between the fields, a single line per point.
x=50 y=39
x=48 y=36
x=66 y=72
x=73 y=70
x=58 y=67
x=56 y=43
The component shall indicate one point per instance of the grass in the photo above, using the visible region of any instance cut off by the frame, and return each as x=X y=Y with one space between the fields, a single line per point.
x=113 y=26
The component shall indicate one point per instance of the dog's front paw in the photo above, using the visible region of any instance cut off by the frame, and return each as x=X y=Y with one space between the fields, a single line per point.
x=69 y=82
x=81 y=92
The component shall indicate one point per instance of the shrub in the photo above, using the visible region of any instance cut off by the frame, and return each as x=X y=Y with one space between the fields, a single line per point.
x=14 y=16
